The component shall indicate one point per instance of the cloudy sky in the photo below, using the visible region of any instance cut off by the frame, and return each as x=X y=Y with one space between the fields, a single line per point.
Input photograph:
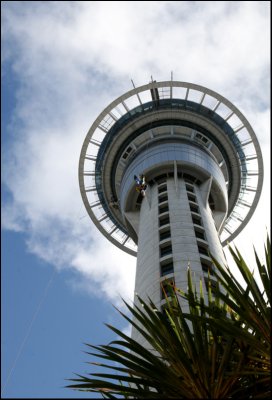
x=62 y=64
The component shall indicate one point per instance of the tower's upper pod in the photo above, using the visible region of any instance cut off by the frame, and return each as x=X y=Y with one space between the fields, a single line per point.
x=176 y=112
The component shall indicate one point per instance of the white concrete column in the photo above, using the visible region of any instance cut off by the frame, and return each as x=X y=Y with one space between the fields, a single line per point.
x=183 y=243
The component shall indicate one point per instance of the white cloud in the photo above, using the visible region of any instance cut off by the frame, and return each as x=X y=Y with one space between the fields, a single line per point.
x=73 y=58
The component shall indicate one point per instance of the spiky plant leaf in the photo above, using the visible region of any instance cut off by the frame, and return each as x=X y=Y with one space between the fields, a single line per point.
x=219 y=349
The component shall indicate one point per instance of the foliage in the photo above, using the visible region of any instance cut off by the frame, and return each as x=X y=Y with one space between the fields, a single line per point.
x=197 y=347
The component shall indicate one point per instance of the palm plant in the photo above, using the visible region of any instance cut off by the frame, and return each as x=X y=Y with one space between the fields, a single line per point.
x=219 y=349
x=250 y=320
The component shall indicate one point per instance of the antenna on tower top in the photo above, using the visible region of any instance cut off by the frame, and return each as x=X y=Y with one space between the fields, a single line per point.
x=171 y=75
x=133 y=83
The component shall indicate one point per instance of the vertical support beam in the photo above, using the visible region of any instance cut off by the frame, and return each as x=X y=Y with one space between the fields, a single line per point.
x=171 y=87
x=113 y=116
x=148 y=197
x=202 y=98
x=176 y=177
x=137 y=94
x=205 y=189
x=125 y=106
x=216 y=106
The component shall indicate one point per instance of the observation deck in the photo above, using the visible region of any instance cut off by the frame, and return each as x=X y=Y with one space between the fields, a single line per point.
x=173 y=116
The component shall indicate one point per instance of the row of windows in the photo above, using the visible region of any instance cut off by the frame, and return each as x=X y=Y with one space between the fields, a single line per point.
x=189 y=178
x=183 y=175
x=203 y=249
x=126 y=153
x=161 y=178
x=166 y=266
x=166 y=291
x=199 y=232
x=202 y=138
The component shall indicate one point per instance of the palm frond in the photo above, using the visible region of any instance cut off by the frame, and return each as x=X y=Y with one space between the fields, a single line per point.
x=217 y=347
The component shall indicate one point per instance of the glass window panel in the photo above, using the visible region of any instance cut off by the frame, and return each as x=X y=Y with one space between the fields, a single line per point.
x=223 y=111
x=145 y=96
x=167 y=268
x=179 y=92
x=234 y=122
x=209 y=101
x=195 y=95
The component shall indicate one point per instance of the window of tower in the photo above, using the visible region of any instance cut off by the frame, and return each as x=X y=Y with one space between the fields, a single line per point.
x=163 y=209
x=203 y=250
x=200 y=235
x=189 y=188
x=167 y=268
x=189 y=178
x=163 y=198
x=202 y=138
x=191 y=197
x=165 y=234
x=166 y=250
x=196 y=220
x=161 y=179
x=207 y=267
x=194 y=208
x=164 y=220
x=162 y=188
x=126 y=153
x=199 y=228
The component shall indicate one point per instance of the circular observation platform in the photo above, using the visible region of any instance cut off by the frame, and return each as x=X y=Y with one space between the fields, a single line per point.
x=169 y=112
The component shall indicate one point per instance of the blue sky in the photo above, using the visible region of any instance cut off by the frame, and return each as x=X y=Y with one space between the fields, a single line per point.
x=62 y=64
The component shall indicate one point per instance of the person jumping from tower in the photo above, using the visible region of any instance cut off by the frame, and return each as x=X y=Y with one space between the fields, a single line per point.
x=140 y=184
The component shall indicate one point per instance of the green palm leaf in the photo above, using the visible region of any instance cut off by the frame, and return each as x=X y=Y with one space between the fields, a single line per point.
x=217 y=348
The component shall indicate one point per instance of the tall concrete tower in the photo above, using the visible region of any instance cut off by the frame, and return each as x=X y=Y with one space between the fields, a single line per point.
x=204 y=173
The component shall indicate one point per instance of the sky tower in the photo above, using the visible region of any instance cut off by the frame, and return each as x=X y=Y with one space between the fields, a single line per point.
x=203 y=169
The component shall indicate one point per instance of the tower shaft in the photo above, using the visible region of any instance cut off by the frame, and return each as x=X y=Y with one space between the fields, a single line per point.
x=175 y=229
